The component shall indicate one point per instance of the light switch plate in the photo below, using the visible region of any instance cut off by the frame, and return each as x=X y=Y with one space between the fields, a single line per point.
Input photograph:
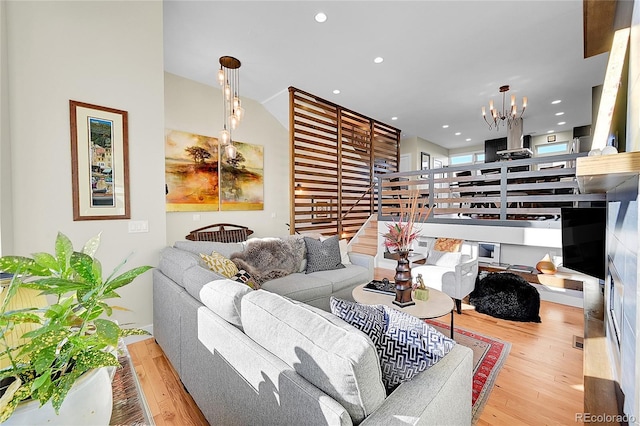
x=138 y=226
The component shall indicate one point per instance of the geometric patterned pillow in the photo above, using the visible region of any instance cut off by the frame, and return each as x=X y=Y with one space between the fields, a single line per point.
x=244 y=277
x=408 y=346
x=220 y=264
x=323 y=255
x=448 y=244
x=367 y=318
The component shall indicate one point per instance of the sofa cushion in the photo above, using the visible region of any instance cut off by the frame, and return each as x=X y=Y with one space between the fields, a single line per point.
x=349 y=276
x=299 y=286
x=323 y=255
x=174 y=262
x=443 y=258
x=223 y=298
x=220 y=264
x=332 y=355
x=194 y=278
x=198 y=247
x=448 y=244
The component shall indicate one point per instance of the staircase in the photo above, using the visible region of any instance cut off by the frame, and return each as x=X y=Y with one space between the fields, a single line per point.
x=367 y=240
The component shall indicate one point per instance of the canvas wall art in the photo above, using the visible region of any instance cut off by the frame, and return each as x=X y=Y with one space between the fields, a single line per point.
x=242 y=178
x=191 y=172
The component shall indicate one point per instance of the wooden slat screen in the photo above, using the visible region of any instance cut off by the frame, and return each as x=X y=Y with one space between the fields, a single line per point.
x=335 y=153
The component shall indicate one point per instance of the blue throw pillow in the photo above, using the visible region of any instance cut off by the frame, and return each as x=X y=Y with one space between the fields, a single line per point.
x=406 y=345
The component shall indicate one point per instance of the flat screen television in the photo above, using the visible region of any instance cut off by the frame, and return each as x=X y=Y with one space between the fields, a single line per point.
x=583 y=239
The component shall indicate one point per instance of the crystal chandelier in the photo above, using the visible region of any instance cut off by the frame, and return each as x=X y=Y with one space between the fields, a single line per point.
x=232 y=111
x=510 y=114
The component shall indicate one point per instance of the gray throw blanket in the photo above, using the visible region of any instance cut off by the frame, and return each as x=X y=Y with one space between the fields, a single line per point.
x=269 y=258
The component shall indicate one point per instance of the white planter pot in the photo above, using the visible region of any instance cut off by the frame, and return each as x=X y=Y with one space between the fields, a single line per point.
x=89 y=402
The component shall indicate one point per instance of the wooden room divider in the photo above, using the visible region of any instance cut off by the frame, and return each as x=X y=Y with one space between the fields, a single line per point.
x=335 y=155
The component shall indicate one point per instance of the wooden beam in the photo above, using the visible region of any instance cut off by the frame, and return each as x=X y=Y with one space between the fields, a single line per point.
x=598 y=19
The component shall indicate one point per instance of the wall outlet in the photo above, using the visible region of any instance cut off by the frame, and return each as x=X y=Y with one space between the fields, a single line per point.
x=196 y=217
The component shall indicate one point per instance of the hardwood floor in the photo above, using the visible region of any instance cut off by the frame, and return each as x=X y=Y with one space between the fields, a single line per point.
x=540 y=382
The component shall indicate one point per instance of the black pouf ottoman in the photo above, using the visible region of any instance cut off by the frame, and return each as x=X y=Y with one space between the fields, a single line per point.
x=507 y=296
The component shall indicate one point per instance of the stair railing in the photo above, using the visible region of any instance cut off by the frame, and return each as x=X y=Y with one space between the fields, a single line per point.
x=364 y=194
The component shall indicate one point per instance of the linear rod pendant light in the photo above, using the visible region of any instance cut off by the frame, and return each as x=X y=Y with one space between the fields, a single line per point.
x=232 y=111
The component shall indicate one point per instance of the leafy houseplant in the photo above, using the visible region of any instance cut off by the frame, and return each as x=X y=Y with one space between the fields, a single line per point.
x=70 y=336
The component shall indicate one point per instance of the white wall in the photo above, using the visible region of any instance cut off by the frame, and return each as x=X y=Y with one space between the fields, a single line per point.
x=197 y=108
x=104 y=53
x=633 y=95
x=6 y=224
x=415 y=145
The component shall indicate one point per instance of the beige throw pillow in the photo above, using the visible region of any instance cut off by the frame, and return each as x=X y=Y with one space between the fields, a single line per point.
x=220 y=264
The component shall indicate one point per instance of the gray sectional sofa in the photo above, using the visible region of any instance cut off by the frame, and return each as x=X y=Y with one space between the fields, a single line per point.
x=251 y=357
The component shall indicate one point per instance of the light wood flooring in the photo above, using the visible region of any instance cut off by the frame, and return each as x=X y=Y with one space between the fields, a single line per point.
x=539 y=384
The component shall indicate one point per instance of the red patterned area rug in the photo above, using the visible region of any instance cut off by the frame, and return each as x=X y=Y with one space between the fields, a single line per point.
x=489 y=355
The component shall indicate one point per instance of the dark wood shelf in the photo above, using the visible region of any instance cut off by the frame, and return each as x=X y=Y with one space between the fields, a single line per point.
x=556 y=280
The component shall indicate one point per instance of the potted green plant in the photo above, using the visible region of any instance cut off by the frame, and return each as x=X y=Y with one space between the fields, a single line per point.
x=70 y=336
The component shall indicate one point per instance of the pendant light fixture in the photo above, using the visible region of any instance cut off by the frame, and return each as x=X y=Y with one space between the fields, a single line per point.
x=499 y=116
x=232 y=111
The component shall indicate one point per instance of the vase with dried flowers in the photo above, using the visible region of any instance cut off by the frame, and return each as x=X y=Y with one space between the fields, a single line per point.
x=399 y=237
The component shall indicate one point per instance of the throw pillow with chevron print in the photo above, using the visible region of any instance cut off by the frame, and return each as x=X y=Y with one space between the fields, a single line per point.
x=407 y=347
x=367 y=318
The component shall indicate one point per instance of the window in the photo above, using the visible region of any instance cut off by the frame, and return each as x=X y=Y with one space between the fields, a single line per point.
x=552 y=148
x=471 y=158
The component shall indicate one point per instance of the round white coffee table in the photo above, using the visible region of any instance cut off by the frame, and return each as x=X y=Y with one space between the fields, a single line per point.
x=438 y=305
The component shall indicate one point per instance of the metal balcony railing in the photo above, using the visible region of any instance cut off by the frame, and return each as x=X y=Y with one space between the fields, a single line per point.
x=506 y=192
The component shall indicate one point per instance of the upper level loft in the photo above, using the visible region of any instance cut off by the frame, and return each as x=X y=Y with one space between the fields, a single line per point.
x=511 y=193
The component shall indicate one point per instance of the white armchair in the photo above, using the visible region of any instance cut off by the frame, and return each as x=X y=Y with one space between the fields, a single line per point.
x=453 y=274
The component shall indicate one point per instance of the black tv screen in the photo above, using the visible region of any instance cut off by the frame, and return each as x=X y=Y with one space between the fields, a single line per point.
x=583 y=239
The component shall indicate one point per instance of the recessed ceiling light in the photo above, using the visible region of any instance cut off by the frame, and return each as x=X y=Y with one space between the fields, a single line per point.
x=559 y=113
x=557 y=101
x=562 y=123
x=446 y=126
x=468 y=139
x=378 y=60
x=457 y=133
x=550 y=131
x=320 y=17
x=335 y=92
x=394 y=118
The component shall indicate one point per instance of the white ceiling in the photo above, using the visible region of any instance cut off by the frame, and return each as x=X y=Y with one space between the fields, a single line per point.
x=443 y=60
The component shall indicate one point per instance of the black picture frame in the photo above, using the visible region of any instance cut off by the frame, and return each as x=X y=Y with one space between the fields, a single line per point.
x=425 y=163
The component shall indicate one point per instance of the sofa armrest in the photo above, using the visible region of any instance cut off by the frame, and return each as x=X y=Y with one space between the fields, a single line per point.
x=440 y=395
x=466 y=268
x=363 y=260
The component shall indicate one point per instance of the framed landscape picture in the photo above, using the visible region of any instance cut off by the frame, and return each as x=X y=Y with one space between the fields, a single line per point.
x=99 y=162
